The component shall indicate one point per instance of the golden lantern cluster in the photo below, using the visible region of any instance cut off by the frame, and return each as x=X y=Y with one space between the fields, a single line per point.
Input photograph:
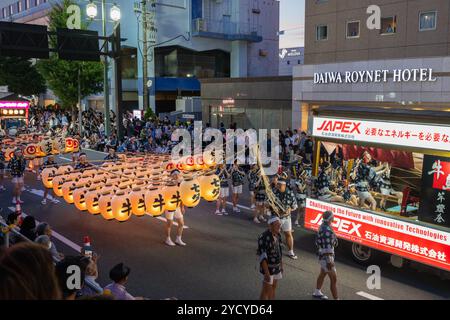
x=134 y=186
x=41 y=147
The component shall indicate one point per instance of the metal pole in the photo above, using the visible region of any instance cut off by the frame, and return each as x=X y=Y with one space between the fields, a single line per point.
x=105 y=74
x=118 y=79
x=145 y=56
x=80 y=118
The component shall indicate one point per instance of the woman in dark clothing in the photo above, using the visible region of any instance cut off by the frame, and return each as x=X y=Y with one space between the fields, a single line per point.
x=28 y=228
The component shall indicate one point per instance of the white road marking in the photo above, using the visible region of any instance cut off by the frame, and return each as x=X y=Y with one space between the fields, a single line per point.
x=240 y=206
x=368 y=296
x=40 y=194
x=56 y=235
x=67 y=159
x=95 y=151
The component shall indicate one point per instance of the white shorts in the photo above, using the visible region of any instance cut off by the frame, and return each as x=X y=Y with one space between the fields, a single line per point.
x=323 y=265
x=224 y=192
x=364 y=195
x=237 y=190
x=286 y=224
x=17 y=180
x=277 y=276
x=387 y=192
x=174 y=214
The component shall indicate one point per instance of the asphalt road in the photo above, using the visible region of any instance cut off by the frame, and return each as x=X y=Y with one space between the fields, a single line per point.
x=220 y=259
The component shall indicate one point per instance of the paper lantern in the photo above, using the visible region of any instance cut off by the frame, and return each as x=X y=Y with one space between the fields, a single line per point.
x=190 y=192
x=47 y=177
x=58 y=182
x=46 y=146
x=9 y=153
x=30 y=151
x=59 y=145
x=76 y=145
x=64 y=169
x=154 y=201
x=91 y=173
x=171 y=197
x=169 y=166
x=121 y=207
x=199 y=164
x=79 y=198
x=67 y=191
x=189 y=163
x=104 y=204
x=209 y=187
x=92 y=201
x=69 y=145
x=137 y=199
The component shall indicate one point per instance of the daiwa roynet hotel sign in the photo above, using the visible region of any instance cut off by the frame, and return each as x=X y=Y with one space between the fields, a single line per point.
x=375 y=76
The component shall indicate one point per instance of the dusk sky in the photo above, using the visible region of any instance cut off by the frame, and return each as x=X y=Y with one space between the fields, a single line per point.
x=292 y=20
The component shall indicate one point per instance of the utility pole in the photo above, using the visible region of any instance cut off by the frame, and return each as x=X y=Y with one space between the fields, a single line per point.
x=145 y=56
x=105 y=74
x=80 y=117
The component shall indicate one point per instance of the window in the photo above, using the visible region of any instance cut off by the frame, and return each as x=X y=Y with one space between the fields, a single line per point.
x=388 y=25
x=11 y=10
x=321 y=32
x=427 y=21
x=4 y=15
x=352 y=29
x=27 y=4
x=19 y=6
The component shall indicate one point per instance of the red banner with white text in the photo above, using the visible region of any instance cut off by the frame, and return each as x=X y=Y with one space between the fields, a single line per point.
x=411 y=241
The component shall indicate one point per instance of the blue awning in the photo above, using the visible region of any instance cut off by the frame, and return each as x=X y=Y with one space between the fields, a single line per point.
x=174 y=84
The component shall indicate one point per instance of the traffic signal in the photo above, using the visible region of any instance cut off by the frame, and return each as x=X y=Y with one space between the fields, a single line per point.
x=81 y=45
x=23 y=40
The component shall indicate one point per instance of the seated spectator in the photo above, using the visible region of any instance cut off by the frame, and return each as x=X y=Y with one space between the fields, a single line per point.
x=28 y=228
x=119 y=275
x=45 y=242
x=67 y=283
x=43 y=228
x=92 y=288
x=27 y=273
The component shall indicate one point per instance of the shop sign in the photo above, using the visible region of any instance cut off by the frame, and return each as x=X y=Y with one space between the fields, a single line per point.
x=411 y=241
x=435 y=191
x=375 y=76
x=390 y=133
x=14 y=104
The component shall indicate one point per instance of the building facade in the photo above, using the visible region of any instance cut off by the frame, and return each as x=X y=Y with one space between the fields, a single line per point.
x=257 y=103
x=336 y=31
x=290 y=57
x=192 y=39
x=413 y=37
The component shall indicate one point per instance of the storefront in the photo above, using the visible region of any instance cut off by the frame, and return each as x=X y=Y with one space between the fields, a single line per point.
x=258 y=103
x=385 y=128
x=13 y=114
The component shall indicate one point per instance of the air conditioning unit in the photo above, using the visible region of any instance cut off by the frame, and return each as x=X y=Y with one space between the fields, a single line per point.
x=200 y=25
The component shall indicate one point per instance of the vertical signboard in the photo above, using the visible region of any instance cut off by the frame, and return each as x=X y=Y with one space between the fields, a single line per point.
x=435 y=193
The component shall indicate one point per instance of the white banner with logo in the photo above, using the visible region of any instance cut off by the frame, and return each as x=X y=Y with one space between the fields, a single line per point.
x=383 y=132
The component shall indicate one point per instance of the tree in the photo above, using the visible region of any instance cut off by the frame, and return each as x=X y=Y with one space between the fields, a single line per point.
x=21 y=76
x=62 y=75
x=149 y=114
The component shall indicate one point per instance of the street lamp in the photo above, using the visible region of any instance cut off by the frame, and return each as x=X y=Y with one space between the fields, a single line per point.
x=115 y=13
x=91 y=10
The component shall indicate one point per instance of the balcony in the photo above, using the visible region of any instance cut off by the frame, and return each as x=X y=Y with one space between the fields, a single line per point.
x=225 y=30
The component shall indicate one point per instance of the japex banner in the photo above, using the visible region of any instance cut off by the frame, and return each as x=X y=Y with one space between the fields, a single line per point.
x=384 y=132
x=411 y=241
